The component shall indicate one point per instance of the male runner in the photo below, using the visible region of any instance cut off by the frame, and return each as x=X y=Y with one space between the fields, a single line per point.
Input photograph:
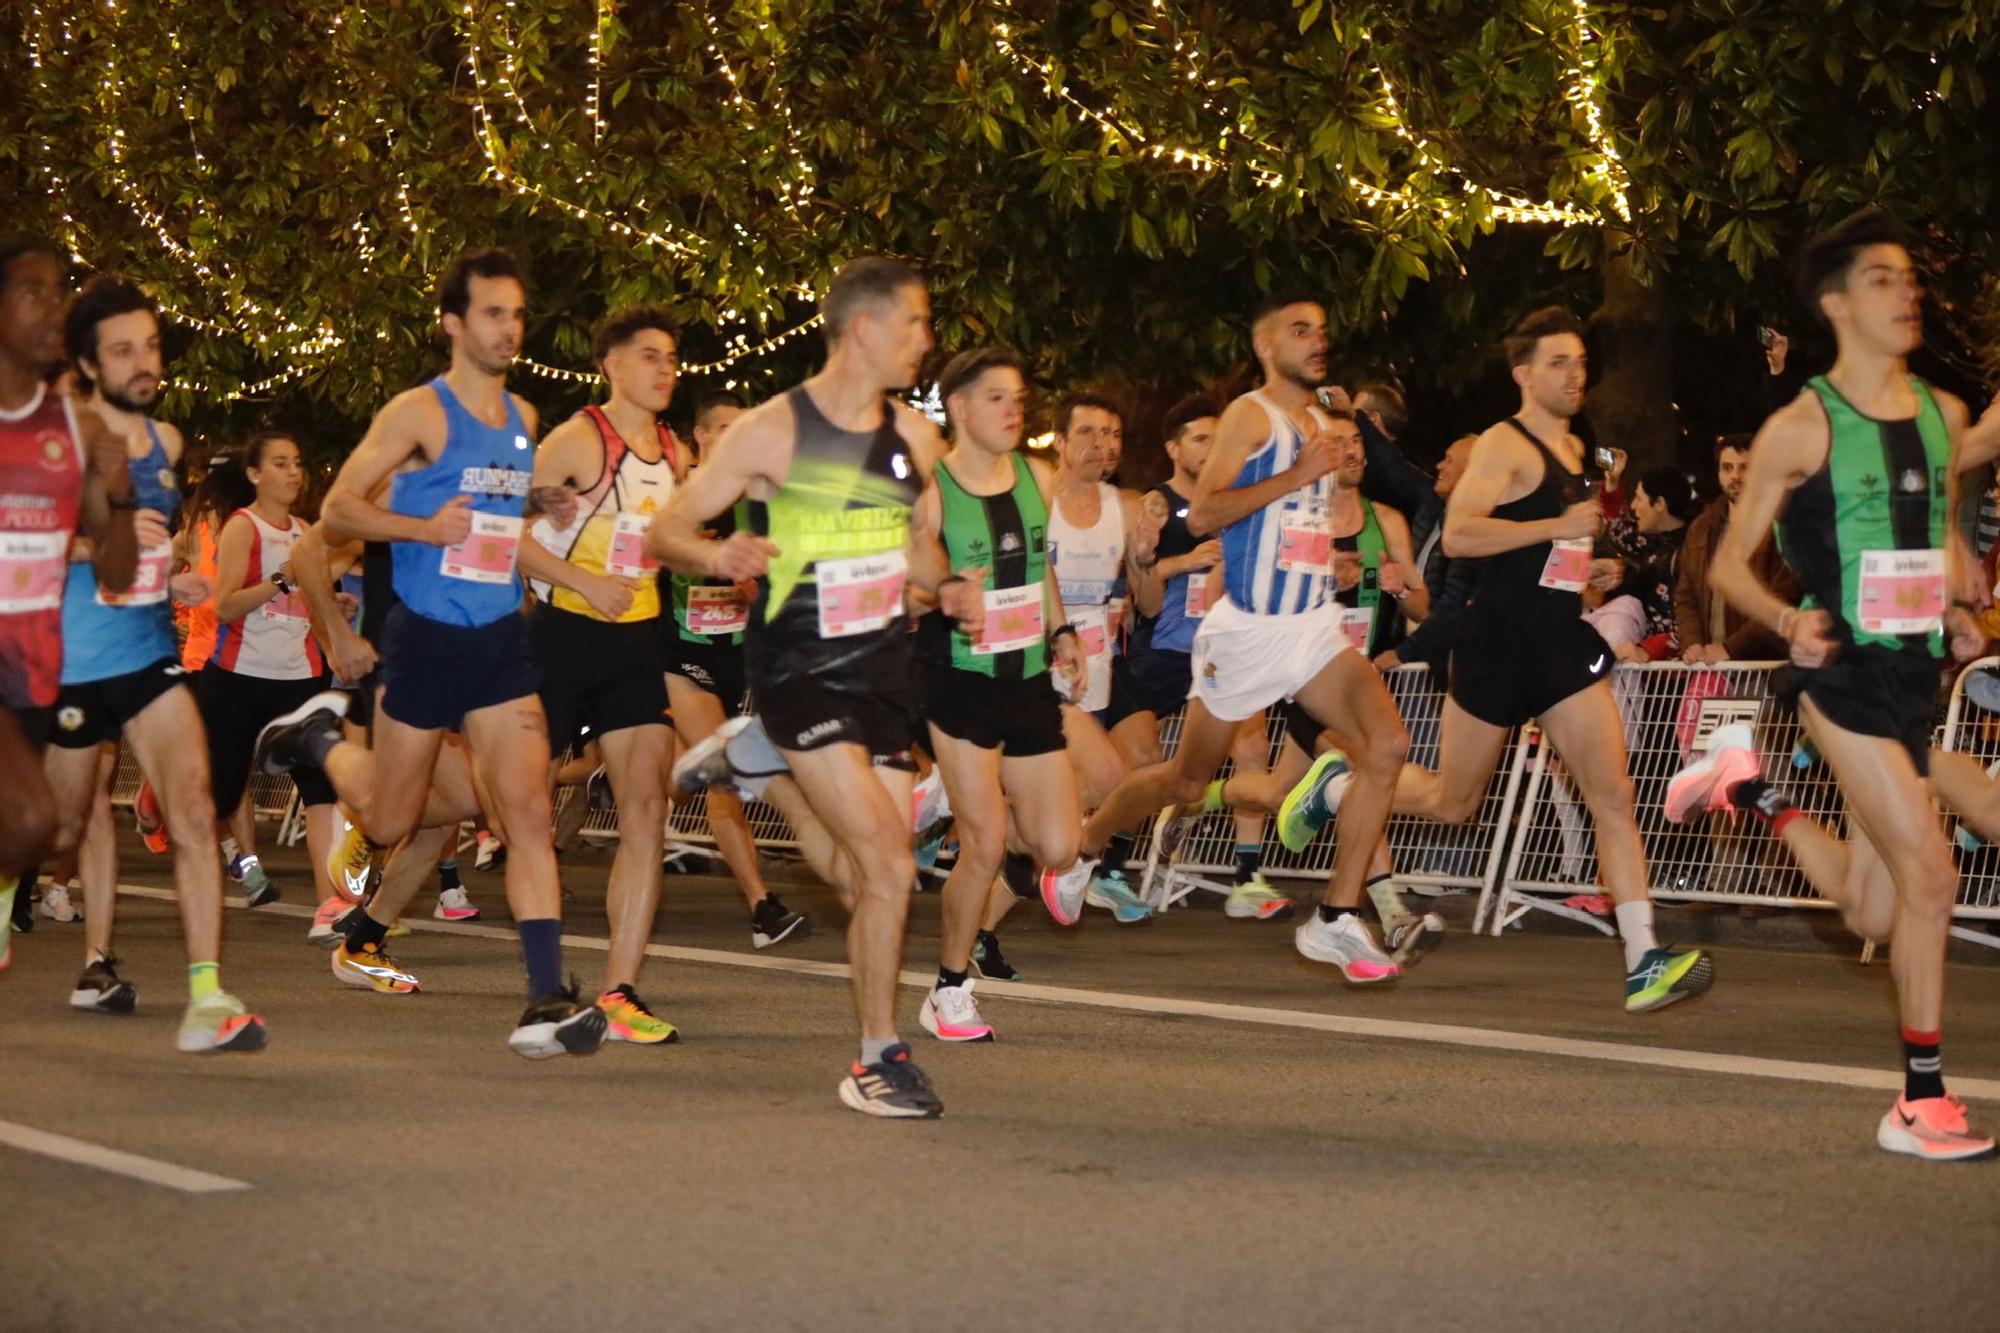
x=702 y=633
x=457 y=454
x=122 y=679
x=597 y=633
x=1527 y=505
x=1859 y=475
x=1276 y=633
x=995 y=720
x=832 y=470
x=61 y=473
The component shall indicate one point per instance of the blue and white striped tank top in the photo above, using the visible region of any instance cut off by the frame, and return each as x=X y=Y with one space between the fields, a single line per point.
x=1279 y=560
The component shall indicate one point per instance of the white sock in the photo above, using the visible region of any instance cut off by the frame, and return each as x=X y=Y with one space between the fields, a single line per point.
x=1635 y=927
x=1389 y=906
x=228 y=850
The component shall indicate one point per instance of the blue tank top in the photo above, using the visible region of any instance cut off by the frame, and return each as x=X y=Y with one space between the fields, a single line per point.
x=478 y=581
x=114 y=634
x=1279 y=559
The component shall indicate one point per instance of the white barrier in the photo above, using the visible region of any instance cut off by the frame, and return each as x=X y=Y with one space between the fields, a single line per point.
x=272 y=796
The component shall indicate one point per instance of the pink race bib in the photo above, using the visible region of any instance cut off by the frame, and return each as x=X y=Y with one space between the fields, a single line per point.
x=1902 y=592
x=861 y=594
x=487 y=554
x=149 y=583
x=1568 y=565
x=716 y=610
x=1013 y=621
x=33 y=568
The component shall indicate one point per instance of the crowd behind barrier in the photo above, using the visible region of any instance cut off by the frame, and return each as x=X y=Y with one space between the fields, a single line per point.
x=1530 y=848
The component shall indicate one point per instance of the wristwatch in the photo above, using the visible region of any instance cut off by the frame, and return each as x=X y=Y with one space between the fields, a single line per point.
x=281 y=583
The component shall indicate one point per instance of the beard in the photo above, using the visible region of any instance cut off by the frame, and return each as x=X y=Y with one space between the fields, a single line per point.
x=1301 y=374
x=125 y=402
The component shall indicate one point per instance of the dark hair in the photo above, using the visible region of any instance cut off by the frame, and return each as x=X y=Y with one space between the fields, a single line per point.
x=222 y=491
x=1188 y=410
x=713 y=399
x=20 y=246
x=105 y=296
x=1272 y=302
x=1070 y=402
x=1389 y=404
x=628 y=322
x=1722 y=442
x=1825 y=260
x=1548 y=322
x=455 y=288
x=1670 y=486
x=964 y=370
x=860 y=285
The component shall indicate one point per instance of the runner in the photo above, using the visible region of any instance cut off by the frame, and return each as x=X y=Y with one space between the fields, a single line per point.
x=1276 y=634
x=456 y=453
x=995 y=721
x=703 y=644
x=832 y=470
x=1527 y=504
x=122 y=679
x=61 y=473
x=597 y=630
x=1868 y=637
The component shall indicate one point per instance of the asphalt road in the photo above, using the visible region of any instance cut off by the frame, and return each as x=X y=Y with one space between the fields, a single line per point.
x=1182 y=1125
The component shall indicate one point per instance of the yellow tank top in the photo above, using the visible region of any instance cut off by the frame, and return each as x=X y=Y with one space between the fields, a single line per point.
x=608 y=536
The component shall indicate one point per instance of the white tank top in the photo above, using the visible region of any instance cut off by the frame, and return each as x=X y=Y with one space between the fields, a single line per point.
x=1089 y=560
x=274 y=641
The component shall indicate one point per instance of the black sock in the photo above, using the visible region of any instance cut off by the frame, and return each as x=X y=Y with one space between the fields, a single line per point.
x=1017 y=872
x=448 y=875
x=947 y=977
x=1327 y=913
x=1117 y=851
x=1923 y=1070
x=1757 y=797
x=1249 y=860
x=364 y=930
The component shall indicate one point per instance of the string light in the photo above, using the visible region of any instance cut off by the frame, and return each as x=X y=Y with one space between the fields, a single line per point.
x=741 y=104
x=1583 y=91
x=596 y=101
x=744 y=351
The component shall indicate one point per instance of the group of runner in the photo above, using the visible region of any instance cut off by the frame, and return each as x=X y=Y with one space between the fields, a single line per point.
x=1059 y=618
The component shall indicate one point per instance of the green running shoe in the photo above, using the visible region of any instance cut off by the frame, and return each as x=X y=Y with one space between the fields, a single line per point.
x=1310 y=806
x=1664 y=976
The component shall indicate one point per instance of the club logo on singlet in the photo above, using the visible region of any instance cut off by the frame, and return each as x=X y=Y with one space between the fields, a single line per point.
x=509 y=483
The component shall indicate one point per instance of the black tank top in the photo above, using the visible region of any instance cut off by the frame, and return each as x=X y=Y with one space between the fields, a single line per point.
x=378 y=591
x=1510 y=590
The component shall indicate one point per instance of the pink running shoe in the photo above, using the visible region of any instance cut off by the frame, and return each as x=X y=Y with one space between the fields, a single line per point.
x=1934 y=1129
x=1704 y=785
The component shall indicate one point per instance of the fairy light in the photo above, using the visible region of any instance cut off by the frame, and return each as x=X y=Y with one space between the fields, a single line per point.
x=1584 y=92
x=744 y=351
x=741 y=104
x=595 y=102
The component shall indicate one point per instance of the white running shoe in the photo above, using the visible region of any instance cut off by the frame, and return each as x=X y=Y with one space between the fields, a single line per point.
x=951 y=1014
x=1063 y=890
x=455 y=905
x=1730 y=758
x=1346 y=943
x=58 y=906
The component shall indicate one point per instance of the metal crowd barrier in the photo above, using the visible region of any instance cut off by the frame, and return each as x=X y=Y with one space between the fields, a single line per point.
x=272 y=795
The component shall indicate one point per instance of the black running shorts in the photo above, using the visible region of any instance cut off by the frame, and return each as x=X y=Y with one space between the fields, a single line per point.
x=1018 y=717
x=98 y=710
x=1875 y=691
x=234 y=709
x=597 y=674
x=433 y=673
x=715 y=667
x=1507 y=674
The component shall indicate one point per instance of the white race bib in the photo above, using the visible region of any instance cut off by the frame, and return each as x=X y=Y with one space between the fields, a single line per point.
x=627 y=557
x=1305 y=541
x=488 y=552
x=1013 y=621
x=34 y=566
x=1568 y=566
x=149 y=583
x=1902 y=592
x=861 y=594
x=716 y=610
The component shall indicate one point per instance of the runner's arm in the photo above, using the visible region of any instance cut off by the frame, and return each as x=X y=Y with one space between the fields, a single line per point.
x=106 y=511
x=1218 y=501
x=1469 y=526
x=751 y=451
x=1415 y=598
x=1980 y=443
x=397 y=435
x=233 y=601
x=316 y=568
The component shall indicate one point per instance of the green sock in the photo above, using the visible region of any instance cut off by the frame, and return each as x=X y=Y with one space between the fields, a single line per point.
x=1211 y=800
x=1388 y=903
x=204 y=980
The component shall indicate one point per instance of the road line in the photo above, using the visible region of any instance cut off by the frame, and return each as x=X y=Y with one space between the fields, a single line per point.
x=1443 y=1034
x=185 y=1179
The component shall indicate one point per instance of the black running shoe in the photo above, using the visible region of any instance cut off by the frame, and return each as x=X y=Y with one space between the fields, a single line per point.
x=302 y=736
x=559 y=1024
x=988 y=961
x=771 y=922
x=894 y=1088
x=99 y=991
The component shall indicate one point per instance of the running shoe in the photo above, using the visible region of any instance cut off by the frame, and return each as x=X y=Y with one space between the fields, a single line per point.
x=347 y=864
x=893 y=1087
x=559 y=1024
x=950 y=1013
x=1730 y=758
x=148 y=819
x=1664 y=976
x=372 y=969
x=57 y=905
x=738 y=754
x=1109 y=891
x=1311 y=805
x=100 y=991
x=1411 y=937
x=1934 y=1129
x=455 y=904
x=1256 y=900
x=219 y=1022
x=258 y=887
x=329 y=918
x=988 y=961
x=1063 y=891
x=1346 y=943
x=627 y=1018
x=489 y=853
x=293 y=738
x=771 y=922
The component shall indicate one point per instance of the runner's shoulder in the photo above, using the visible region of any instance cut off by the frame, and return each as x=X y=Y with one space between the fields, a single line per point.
x=1797 y=435
x=531 y=417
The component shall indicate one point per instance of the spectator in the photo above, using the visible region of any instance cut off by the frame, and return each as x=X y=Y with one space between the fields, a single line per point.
x=1662 y=505
x=1711 y=630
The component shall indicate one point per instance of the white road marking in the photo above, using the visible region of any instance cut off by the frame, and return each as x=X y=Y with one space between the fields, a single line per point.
x=1444 y=1034
x=185 y=1179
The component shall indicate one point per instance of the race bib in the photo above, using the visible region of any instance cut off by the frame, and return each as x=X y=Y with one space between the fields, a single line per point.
x=487 y=554
x=1902 y=592
x=627 y=557
x=861 y=594
x=286 y=606
x=1013 y=621
x=1568 y=565
x=149 y=583
x=716 y=610
x=1357 y=622
x=1305 y=543
x=33 y=568
x=1093 y=636
x=1198 y=600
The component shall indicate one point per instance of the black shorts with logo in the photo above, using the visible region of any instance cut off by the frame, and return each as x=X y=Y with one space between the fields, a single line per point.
x=1506 y=674
x=1020 y=718
x=865 y=699
x=1875 y=691
x=97 y=711
x=597 y=674
x=715 y=667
